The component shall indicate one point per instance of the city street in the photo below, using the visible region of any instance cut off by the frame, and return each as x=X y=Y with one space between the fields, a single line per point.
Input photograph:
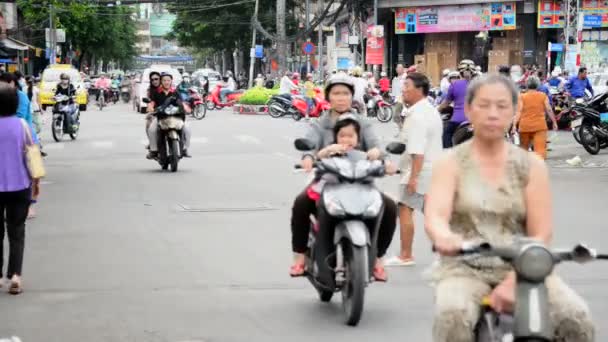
x=122 y=251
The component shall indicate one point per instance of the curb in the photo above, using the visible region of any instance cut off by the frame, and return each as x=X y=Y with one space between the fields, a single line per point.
x=250 y=109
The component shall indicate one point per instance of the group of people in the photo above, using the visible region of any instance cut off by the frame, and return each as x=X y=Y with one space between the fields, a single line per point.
x=484 y=189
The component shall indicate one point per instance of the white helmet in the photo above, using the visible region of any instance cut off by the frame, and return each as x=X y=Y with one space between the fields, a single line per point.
x=445 y=72
x=383 y=74
x=185 y=74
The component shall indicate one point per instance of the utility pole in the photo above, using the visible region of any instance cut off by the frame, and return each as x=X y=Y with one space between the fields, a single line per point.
x=51 y=34
x=320 y=28
x=252 y=52
x=307 y=27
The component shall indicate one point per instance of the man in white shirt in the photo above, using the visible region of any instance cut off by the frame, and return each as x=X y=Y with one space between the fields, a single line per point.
x=287 y=84
x=422 y=133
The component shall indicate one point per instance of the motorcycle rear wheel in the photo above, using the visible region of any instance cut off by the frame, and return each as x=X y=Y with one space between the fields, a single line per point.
x=297 y=116
x=384 y=114
x=353 y=291
x=576 y=132
x=210 y=105
x=589 y=139
x=272 y=112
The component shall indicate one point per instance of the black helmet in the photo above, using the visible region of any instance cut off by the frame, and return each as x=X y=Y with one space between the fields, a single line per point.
x=163 y=74
x=342 y=79
x=64 y=76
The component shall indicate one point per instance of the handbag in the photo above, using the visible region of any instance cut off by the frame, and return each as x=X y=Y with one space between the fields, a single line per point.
x=33 y=157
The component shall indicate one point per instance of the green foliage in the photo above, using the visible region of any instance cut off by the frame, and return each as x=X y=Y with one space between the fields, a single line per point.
x=257 y=96
x=109 y=33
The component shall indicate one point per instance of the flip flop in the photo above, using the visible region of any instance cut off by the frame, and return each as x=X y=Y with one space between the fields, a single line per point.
x=297 y=270
x=380 y=274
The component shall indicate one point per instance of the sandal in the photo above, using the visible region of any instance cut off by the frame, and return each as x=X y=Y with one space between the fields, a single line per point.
x=380 y=274
x=297 y=270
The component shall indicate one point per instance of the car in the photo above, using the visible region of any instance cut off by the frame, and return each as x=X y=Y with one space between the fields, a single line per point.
x=50 y=78
x=213 y=76
x=142 y=84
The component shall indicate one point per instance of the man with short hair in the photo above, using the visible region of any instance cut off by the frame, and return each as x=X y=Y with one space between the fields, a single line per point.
x=396 y=86
x=578 y=84
x=422 y=135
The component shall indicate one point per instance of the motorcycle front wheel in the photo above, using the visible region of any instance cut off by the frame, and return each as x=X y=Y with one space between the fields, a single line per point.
x=57 y=128
x=384 y=114
x=199 y=112
x=174 y=158
x=210 y=105
x=589 y=139
x=353 y=291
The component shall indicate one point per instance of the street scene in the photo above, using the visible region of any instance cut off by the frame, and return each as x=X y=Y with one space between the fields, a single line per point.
x=334 y=170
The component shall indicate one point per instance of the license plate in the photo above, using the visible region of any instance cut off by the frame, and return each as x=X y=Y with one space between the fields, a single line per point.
x=577 y=122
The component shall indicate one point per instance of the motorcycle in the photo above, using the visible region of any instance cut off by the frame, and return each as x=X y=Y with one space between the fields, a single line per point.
x=114 y=93
x=561 y=108
x=299 y=106
x=343 y=261
x=533 y=263
x=214 y=98
x=197 y=103
x=103 y=94
x=170 y=118
x=378 y=107
x=125 y=94
x=593 y=129
x=60 y=125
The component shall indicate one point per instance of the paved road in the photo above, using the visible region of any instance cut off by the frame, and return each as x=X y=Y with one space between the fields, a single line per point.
x=113 y=255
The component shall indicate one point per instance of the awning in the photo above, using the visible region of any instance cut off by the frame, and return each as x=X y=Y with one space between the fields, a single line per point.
x=23 y=43
x=414 y=3
x=14 y=45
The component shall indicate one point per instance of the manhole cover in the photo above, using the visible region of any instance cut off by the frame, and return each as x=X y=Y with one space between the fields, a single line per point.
x=198 y=209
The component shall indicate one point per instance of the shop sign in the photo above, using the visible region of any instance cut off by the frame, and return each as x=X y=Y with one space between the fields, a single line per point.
x=592 y=21
x=474 y=17
x=374 y=52
x=551 y=14
x=345 y=63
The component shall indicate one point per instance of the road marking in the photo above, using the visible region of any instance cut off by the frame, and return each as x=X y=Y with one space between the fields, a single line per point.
x=102 y=144
x=248 y=139
x=57 y=146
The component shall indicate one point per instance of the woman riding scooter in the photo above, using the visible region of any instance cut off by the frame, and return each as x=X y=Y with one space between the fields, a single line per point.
x=339 y=92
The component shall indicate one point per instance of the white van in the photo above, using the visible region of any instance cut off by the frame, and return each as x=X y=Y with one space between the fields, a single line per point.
x=142 y=84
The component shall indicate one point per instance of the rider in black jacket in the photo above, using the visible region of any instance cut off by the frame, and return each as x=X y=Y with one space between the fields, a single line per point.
x=65 y=87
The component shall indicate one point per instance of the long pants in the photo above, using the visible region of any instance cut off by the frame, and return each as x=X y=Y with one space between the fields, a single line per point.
x=458 y=308
x=153 y=135
x=13 y=213
x=224 y=93
x=303 y=207
x=448 y=133
x=538 y=140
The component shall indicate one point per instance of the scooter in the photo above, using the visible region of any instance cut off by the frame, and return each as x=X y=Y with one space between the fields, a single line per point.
x=533 y=263
x=197 y=103
x=341 y=254
x=125 y=94
x=378 y=107
x=61 y=110
x=299 y=106
x=214 y=98
x=115 y=93
x=170 y=118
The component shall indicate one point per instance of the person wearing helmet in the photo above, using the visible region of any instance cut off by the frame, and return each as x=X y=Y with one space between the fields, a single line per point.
x=102 y=84
x=295 y=78
x=287 y=85
x=456 y=95
x=184 y=87
x=556 y=80
x=339 y=92
x=229 y=88
x=65 y=87
x=361 y=86
x=444 y=86
x=159 y=97
x=385 y=84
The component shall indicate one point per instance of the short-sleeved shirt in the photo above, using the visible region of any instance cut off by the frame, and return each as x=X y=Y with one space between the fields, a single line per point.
x=456 y=94
x=422 y=134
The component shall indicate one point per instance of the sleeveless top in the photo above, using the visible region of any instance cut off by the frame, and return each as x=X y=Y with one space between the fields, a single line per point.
x=483 y=212
x=533 y=112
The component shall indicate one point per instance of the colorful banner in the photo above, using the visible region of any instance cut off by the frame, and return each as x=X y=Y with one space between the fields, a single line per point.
x=551 y=14
x=475 y=17
x=374 y=53
x=596 y=13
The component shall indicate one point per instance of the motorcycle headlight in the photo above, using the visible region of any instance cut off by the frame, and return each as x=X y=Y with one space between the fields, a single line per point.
x=535 y=263
x=333 y=207
x=171 y=110
x=373 y=210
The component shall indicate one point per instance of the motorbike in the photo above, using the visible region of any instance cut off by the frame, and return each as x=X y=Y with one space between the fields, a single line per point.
x=103 y=95
x=125 y=94
x=214 y=99
x=114 y=93
x=197 y=103
x=593 y=120
x=299 y=106
x=343 y=259
x=279 y=105
x=561 y=108
x=378 y=107
x=60 y=125
x=532 y=263
x=170 y=118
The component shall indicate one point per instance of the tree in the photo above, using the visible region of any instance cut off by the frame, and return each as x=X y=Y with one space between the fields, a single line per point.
x=97 y=32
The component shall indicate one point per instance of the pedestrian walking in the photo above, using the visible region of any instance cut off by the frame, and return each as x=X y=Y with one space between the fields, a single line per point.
x=422 y=134
x=16 y=184
x=533 y=105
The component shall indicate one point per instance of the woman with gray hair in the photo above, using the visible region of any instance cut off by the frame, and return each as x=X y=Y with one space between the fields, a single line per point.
x=533 y=106
x=488 y=189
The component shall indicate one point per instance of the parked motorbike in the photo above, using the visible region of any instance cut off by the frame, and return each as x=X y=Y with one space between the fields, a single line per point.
x=533 y=263
x=64 y=106
x=171 y=121
x=343 y=259
x=125 y=94
x=214 y=98
x=197 y=103
x=593 y=129
x=378 y=107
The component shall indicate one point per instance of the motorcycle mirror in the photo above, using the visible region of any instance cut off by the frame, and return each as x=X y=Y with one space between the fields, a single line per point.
x=145 y=100
x=303 y=144
x=581 y=253
x=395 y=148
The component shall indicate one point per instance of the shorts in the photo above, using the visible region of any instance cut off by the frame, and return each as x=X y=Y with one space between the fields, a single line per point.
x=413 y=201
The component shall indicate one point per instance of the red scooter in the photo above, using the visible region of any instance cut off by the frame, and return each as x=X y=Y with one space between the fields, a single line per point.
x=196 y=101
x=214 y=99
x=300 y=106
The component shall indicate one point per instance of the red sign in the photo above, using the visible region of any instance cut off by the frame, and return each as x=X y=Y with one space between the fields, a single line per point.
x=374 y=52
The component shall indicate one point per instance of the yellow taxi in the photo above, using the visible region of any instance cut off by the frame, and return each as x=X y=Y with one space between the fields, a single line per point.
x=50 y=78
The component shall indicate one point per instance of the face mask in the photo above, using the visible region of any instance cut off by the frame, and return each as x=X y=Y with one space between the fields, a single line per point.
x=22 y=83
